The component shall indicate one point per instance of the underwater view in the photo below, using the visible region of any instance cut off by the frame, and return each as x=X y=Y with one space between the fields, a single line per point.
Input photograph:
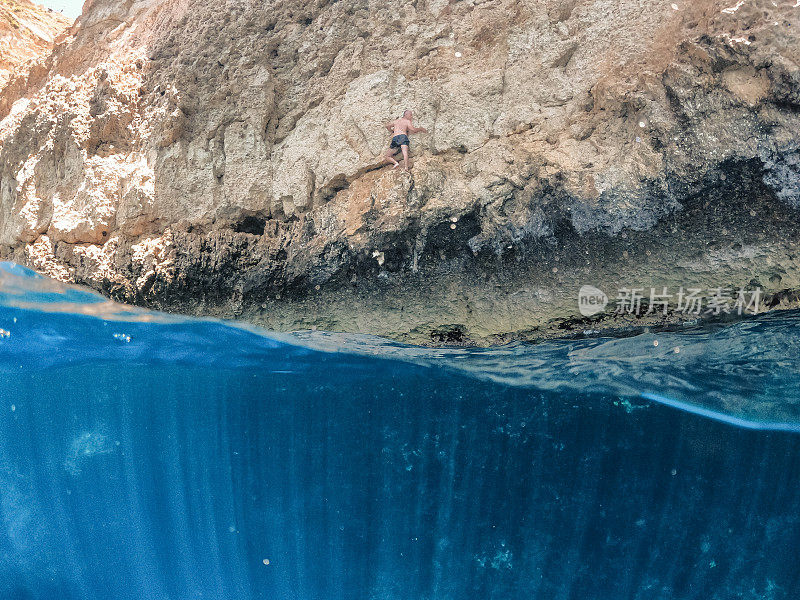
x=148 y=456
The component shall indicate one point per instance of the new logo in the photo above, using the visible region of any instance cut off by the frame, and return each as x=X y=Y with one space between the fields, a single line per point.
x=591 y=300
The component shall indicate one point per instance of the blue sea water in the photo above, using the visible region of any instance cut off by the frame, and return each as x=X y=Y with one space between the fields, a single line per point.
x=146 y=456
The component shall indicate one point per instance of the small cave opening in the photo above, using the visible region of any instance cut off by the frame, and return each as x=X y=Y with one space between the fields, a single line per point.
x=252 y=224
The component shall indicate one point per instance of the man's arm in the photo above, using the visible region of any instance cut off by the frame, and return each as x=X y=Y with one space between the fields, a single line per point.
x=418 y=129
x=389 y=125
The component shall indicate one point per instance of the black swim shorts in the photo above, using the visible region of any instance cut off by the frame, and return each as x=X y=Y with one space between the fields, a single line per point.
x=399 y=140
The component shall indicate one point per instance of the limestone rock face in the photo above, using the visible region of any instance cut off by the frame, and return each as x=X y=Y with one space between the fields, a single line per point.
x=225 y=158
x=27 y=33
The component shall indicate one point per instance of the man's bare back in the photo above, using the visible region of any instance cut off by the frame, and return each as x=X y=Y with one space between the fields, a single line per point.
x=401 y=126
x=400 y=129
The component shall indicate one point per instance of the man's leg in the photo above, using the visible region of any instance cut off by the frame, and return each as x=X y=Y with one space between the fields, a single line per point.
x=389 y=157
x=404 y=147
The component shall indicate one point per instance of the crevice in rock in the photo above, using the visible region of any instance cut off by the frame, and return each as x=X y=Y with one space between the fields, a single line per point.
x=252 y=224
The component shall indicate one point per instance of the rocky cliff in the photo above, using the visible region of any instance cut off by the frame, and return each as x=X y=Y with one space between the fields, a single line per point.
x=224 y=158
x=27 y=32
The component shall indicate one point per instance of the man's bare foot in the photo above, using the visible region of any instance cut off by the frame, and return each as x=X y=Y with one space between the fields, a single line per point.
x=397 y=164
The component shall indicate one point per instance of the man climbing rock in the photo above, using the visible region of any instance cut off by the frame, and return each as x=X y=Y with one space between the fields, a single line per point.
x=400 y=129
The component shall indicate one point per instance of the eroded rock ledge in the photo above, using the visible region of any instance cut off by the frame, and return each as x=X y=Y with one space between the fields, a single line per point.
x=225 y=162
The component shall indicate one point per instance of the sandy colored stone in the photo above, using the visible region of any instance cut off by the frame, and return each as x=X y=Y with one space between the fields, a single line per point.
x=227 y=161
x=27 y=33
